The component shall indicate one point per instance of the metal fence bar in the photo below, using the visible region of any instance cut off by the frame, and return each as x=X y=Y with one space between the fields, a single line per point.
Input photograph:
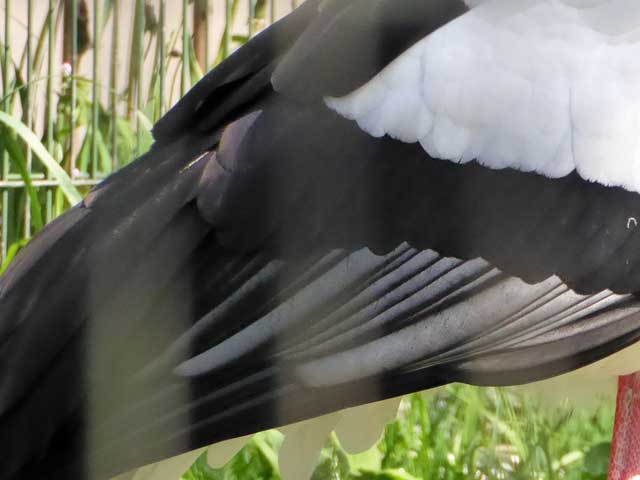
x=113 y=83
x=95 y=94
x=184 y=78
x=28 y=115
x=6 y=107
x=207 y=31
x=252 y=17
x=138 y=65
x=162 y=56
x=74 y=86
x=78 y=182
x=51 y=18
x=228 y=12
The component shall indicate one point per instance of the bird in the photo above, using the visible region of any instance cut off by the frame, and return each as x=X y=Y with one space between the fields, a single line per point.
x=367 y=199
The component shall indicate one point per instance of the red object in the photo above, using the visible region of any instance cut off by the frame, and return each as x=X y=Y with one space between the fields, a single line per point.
x=625 y=449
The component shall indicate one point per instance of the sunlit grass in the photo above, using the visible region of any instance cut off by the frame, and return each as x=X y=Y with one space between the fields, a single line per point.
x=458 y=432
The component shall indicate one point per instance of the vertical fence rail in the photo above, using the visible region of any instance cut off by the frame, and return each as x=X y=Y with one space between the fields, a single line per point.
x=184 y=78
x=95 y=99
x=28 y=114
x=93 y=116
x=252 y=17
x=161 y=56
x=113 y=82
x=4 y=242
x=207 y=36
x=74 y=86
x=226 y=45
x=51 y=31
x=138 y=66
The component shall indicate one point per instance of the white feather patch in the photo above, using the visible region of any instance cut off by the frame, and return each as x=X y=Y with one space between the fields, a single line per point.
x=360 y=428
x=549 y=86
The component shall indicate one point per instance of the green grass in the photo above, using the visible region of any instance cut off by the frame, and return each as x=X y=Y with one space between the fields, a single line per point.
x=459 y=432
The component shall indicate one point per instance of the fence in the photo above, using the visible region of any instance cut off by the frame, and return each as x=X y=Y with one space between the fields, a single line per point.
x=84 y=80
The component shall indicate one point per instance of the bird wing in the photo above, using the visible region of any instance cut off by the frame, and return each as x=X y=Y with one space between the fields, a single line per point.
x=269 y=261
x=540 y=86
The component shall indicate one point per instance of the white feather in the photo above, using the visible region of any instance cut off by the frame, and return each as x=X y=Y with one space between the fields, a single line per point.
x=549 y=86
x=361 y=427
x=302 y=444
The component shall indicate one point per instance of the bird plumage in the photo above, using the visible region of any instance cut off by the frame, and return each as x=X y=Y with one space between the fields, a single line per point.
x=548 y=87
x=268 y=261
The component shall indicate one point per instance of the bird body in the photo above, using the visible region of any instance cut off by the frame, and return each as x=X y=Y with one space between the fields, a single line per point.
x=370 y=198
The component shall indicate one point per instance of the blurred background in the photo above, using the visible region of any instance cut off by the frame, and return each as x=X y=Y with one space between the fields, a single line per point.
x=89 y=78
x=83 y=81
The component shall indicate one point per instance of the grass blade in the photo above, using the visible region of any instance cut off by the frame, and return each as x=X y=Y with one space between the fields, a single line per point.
x=56 y=171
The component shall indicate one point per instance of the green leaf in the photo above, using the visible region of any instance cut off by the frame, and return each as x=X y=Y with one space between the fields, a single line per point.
x=596 y=461
x=41 y=152
x=390 y=474
x=368 y=460
x=333 y=462
x=12 y=251
x=201 y=470
x=144 y=121
x=17 y=158
x=145 y=125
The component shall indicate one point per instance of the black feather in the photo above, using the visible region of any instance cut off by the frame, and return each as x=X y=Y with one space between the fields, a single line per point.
x=267 y=261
